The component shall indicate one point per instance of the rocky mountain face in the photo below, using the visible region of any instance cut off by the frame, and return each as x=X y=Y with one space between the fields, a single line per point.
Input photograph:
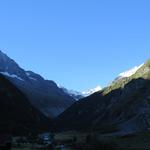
x=18 y=116
x=43 y=94
x=121 y=108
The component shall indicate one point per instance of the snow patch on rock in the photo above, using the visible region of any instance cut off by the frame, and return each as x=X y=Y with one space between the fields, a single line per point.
x=11 y=75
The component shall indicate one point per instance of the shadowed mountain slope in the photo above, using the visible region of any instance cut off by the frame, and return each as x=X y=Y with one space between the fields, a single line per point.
x=17 y=115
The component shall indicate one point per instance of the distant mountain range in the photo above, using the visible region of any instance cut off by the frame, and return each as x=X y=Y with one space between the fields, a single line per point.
x=119 y=109
x=43 y=94
x=79 y=95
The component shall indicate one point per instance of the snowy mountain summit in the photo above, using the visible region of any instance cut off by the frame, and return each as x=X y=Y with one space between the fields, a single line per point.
x=129 y=73
x=79 y=95
x=91 y=91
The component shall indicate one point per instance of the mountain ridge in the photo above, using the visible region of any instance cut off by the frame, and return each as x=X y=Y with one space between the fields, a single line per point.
x=121 y=108
x=43 y=94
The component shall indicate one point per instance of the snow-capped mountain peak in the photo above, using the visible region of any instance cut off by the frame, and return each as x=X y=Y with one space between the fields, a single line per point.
x=91 y=91
x=130 y=72
x=79 y=95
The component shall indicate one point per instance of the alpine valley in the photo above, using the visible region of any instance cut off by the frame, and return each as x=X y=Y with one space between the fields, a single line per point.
x=118 y=113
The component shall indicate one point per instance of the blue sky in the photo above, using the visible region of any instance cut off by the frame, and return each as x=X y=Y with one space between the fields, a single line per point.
x=77 y=43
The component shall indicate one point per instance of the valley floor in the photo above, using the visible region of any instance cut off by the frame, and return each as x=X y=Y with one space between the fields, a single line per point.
x=94 y=141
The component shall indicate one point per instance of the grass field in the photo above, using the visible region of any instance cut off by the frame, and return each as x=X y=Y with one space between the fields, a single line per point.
x=140 y=141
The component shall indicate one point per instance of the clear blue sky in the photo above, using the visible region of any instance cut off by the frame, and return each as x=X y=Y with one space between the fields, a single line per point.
x=77 y=43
